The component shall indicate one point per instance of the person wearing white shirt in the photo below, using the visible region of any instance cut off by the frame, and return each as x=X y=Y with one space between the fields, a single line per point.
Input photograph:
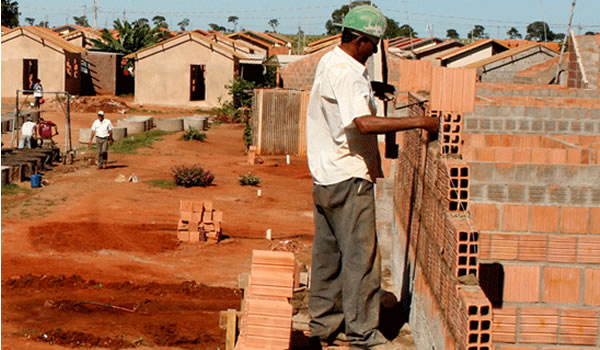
x=28 y=132
x=102 y=129
x=343 y=157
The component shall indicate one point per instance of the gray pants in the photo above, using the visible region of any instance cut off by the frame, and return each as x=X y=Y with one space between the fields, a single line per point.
x=346 y=266
x=102 y=146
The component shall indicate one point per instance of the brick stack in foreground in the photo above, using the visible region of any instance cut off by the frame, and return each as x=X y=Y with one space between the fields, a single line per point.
x=267 y=314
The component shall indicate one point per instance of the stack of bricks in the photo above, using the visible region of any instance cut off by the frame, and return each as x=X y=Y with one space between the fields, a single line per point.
x=267 y=313
x=199 y=221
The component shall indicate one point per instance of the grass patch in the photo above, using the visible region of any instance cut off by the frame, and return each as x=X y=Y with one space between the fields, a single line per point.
x=138 y=110
x=161 y=183
x=131 y=144
x=10 y=189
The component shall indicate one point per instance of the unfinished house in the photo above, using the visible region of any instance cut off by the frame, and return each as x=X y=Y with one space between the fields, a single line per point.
x=471 y=53
x=494 y=231
x=431 y=53
x=504 y=66
x=82 y=37
x=187 y=70
x=262 y=43
x=584 y=61
x=29 y=53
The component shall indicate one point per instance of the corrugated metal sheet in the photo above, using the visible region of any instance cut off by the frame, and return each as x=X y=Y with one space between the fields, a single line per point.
x=279 y=121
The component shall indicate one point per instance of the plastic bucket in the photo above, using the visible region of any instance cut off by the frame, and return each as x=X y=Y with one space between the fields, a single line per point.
x=36 y=180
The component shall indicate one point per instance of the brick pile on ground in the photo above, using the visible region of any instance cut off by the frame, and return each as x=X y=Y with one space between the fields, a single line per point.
x=199 y=221
x=266 y=312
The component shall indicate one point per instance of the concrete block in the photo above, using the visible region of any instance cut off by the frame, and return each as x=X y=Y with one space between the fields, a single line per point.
x=133 y=127
x=196 y=122
x=170 y=124
x=538 y=194
x=84 y=135
x=119 y=133
x=147 y=120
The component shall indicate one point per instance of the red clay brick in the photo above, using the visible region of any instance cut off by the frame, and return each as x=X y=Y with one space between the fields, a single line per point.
x=588 y=249
x=502 y=154
x=504 y=246
x=574 y=156
x=557 y=156
x=485 y=216
x=522 y=283
x=538 y=325
x=591 y=282
x=485 y=241
x=539 y=155
x=516 y=347
x=522 y=155
x=532 y=247
x=561 y=285
x=579 y=326
x=515 y=217
x=595 y=220
x=505 y=324
x=485 y=154
x=544 y=218
x=574 y=220
x=562 y=248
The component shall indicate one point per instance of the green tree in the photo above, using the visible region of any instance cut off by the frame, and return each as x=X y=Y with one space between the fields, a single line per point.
x=160 y=21
x=183 y=24
x=81 y=21
x=513 y=34
x=30 y=20
x=133 y=36
x=539 y=31
x=560 y=36
x=337 y=16
x=588 y=33
x=44 y=24
x=217 y=27
x=452 y=34
x=478 y=32
x=10 y=13
x=274 y=23
x=143 y=21
x=234 y=20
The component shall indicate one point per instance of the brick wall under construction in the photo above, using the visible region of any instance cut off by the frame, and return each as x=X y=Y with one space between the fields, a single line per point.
x=511 y=203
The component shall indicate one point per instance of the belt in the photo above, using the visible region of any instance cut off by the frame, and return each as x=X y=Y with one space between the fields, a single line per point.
x=101 y=137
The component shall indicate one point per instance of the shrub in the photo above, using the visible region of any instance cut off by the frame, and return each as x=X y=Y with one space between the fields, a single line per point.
x=193 y=134
x=249 y=179
x=248 y=134
x=194 y=175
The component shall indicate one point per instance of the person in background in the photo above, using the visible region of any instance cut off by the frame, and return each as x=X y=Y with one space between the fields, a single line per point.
x=38 y=93
x=28 y=133
x=46 y=133
x=102 y=129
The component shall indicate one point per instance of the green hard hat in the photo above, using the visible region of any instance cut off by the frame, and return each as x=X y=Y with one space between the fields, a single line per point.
x=366 y=19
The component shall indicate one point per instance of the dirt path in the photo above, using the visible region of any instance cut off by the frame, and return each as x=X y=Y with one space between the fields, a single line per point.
x=86 y=224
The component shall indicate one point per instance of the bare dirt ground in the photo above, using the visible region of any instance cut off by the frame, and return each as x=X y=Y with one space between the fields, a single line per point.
x=85 y=241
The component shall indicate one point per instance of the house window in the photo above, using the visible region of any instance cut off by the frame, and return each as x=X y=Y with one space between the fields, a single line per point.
x=197 y=82
x=30 y=74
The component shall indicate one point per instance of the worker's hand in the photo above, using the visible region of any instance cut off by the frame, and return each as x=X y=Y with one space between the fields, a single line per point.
x=431 y=124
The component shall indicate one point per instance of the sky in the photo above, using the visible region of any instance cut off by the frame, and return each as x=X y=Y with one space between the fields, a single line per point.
x=427 y=17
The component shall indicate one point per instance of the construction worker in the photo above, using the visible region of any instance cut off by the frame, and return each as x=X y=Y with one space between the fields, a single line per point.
x=46 y=134
x=28 y=133
x=102 y=129
x=344 y=161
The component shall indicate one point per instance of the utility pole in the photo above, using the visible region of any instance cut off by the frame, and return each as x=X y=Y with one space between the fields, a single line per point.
x=124 y=15
x=95 y=14
x=299 y=33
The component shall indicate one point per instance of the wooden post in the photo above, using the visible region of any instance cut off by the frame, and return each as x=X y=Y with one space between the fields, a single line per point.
x=231 y=329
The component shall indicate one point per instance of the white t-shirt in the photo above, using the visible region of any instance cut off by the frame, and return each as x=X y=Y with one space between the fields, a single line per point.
x=27 y=128
x=336 y=150
x=101 y=128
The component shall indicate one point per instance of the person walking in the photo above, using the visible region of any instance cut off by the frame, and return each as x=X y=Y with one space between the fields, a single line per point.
x=344 y=161
x=28 y=133
x=102 y=129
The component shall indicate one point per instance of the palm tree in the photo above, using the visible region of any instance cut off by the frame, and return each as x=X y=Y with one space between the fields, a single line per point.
x=274 y=23
x=133 y=36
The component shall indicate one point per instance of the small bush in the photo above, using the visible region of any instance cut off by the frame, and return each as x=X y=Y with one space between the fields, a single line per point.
x=194 y=175
x=162 y=183
x=248 y=134
x=193 y=134
x=249 y=179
